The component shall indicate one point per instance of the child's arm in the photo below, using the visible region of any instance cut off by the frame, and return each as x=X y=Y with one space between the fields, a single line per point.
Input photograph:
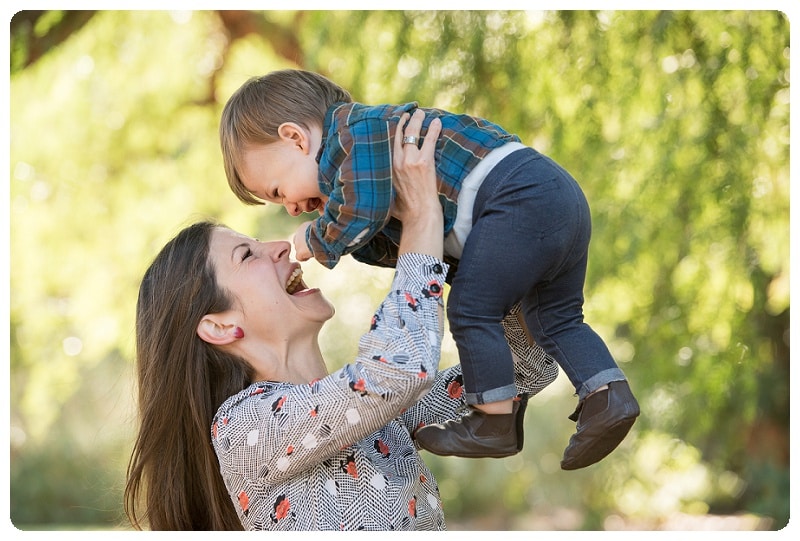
x=381 y=250
x=357 y=163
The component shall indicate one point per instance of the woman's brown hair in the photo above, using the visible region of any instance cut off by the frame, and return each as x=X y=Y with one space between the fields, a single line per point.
x=173 y=480
x=254 y=112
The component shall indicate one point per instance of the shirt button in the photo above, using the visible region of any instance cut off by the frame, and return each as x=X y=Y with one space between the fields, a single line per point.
x=437 y=268
x=435 y=288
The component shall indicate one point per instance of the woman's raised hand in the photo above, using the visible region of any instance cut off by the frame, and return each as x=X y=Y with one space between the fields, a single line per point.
x=417 y=203
x=414 y=167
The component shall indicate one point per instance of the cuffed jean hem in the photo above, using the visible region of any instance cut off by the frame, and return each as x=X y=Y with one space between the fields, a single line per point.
x=598 y=380
x=492 y=395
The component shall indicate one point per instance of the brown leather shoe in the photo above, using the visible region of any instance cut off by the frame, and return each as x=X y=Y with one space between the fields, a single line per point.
x=604 y=419
x=476 y=434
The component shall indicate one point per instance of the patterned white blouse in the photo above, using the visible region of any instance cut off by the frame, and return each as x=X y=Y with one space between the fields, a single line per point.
x=338 y=453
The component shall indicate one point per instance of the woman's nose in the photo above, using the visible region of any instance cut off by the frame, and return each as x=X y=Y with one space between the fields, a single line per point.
x=280 y=249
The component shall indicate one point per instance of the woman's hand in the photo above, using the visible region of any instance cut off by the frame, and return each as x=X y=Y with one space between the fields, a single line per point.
x=417 y=203
x=414 y=167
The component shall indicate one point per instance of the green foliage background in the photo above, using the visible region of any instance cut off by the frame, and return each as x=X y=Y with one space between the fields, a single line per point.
x=675 y=123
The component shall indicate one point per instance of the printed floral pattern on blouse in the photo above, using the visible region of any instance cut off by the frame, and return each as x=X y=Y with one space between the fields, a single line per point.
x=338 y=452
x=332 y=455
x=534 y=370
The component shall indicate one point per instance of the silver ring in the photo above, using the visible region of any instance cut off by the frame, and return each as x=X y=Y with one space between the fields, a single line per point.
x=410 y=140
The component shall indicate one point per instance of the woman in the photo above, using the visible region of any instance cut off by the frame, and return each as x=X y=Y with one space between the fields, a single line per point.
x=241 y=424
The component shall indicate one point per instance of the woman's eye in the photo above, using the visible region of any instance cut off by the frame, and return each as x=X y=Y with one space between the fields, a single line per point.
x=247 y=253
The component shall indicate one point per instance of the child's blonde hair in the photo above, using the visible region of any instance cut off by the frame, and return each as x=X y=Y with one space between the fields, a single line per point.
x=254 y=112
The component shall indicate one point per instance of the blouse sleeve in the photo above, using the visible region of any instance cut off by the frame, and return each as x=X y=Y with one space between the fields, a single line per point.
x=534 y=368
x=276 y=434
x=533 y=371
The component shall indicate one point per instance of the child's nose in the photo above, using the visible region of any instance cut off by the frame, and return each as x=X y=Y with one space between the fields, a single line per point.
x=292 y=209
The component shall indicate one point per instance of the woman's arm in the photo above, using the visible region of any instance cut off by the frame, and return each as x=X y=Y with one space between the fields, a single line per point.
x=416 y=203
x=534 y=369
x=277 y=431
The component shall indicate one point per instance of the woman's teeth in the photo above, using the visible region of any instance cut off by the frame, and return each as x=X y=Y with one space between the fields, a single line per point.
x=293 y=283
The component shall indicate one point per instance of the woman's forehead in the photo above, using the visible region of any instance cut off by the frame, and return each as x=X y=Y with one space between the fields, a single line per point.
x=223 y=241
x=225 y=234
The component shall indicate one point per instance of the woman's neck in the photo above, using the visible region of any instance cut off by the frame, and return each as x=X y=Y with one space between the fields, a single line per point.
x=294 y=361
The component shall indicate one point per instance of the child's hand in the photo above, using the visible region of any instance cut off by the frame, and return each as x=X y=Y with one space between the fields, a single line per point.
x=301 y=251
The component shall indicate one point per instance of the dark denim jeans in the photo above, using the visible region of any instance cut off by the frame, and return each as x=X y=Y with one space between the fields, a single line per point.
x=529 y=243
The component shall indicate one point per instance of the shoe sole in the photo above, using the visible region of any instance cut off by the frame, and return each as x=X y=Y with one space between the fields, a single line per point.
x=478 y=455
x=519 y=422
x=602 y=446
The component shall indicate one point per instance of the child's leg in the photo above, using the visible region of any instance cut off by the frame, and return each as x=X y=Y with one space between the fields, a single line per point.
x=530 y=221
x=530 y=241
x=553 y=311
x=500 y=263
x=606 y=407
x=475 y=310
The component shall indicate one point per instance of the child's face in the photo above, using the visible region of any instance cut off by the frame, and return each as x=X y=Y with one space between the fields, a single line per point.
x=284 y=173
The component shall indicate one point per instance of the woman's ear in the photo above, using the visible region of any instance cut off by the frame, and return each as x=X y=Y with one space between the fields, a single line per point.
x=294 y=134
x=216 y=329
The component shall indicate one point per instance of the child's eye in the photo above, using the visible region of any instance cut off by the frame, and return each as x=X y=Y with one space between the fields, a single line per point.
x=247 y=253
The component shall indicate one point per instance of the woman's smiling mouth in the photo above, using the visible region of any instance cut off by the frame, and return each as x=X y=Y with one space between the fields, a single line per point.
x=295 y=281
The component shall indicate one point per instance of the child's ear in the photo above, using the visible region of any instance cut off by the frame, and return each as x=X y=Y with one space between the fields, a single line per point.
x=295 y=134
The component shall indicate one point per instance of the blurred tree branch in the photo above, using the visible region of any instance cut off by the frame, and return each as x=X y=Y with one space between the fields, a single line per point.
x=283 y=40
x=35 y=33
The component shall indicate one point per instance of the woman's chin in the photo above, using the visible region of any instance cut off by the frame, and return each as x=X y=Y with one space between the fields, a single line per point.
x=312 y=300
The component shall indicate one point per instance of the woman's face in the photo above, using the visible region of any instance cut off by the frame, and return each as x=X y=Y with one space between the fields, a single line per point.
x=267 y=285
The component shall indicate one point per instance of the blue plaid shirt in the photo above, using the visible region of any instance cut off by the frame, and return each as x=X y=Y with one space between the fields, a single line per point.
x=355 y=173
